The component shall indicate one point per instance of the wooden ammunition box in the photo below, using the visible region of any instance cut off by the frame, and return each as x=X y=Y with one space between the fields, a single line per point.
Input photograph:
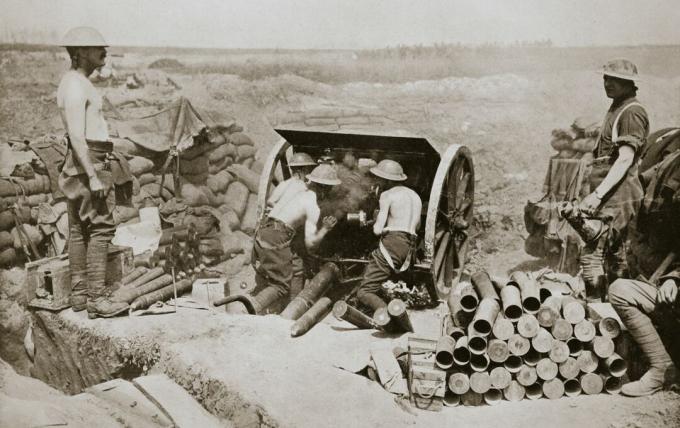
x=427 y=383
x=52 y=275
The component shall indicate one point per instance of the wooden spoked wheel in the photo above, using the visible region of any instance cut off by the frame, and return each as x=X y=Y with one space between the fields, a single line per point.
x=276 y=160
x=449 y=217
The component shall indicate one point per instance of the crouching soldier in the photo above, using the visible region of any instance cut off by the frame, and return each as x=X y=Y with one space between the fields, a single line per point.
x=300 y=165
x=272 y=254
x=654 y=262
x=396 y=224
x=94 y=177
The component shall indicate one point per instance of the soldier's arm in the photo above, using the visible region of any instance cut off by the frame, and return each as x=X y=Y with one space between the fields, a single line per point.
x=277 y=193
x=313 y=236
x=381 y=220
x=617 y=172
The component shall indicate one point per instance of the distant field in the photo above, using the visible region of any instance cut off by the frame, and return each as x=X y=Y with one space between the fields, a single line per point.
x=393 y=65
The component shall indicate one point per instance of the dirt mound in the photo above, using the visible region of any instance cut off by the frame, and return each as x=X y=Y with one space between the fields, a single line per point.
x=166 y=63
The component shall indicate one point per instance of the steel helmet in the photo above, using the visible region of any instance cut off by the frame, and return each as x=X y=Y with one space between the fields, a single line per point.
x=301 y=159
x=83 y=36
x=622 y=69
x=324 y=174
x=389 y=170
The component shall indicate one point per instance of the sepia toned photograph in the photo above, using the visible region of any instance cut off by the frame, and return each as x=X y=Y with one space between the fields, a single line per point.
x=340 y=213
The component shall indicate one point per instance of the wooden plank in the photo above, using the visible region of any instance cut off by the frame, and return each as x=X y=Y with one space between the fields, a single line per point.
x=131 y=400
x=182 y=408
x=389 y=372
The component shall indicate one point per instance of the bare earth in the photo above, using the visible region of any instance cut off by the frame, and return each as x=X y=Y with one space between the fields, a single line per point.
x=250 y=363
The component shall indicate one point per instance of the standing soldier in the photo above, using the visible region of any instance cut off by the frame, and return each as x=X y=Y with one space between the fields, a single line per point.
x=614 y=176
x=93 y=177
x=396 y=224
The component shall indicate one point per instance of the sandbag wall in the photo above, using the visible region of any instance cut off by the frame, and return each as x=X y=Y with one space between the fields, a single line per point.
x=218 y=179
x=23 y=197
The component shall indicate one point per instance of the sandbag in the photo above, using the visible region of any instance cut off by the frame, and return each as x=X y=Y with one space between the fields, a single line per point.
x=584 y=145
x=248 y=162
x=200 y=179
x=249 y=178
x=235 y=265
x=148 y=178
x=193 y=195
x=221 y=152
x=240 y=139
x=213 y=200
x=153 y=189
x=229 y=218
x=236 y=198
x=244 y=152
x=230 y=244
x=195 y=166
x=257 y=166
x=196 y=151
x=8 y=257
x=219 y=182
x=7 y=218
x=249 y=220
x=211 y=247
x=246 y=243
x=221 y=166
x=122 y=214
x=20 y=186
x=6 y=240
x=33 y=232
x=140 y=165
x=204 y=224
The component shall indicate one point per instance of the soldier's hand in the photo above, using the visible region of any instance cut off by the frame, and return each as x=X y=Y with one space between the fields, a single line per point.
x=329 y=222
x=668 y=292
x=97 y=187
x=590 y=204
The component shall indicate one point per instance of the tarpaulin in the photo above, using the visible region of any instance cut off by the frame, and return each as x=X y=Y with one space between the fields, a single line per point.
x=174 y=126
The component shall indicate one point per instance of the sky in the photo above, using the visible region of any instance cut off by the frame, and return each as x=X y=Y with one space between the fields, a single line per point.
x=344 y=24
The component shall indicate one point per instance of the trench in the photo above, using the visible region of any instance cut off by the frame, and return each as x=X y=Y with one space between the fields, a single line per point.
x=71 y=358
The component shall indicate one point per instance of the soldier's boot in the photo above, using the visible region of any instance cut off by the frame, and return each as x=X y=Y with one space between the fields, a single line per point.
x=652 y=381
x=371 y=300
x=78 y=297
x=662 y=371
x=267 y=297
x=104 y=307
x=99 y=302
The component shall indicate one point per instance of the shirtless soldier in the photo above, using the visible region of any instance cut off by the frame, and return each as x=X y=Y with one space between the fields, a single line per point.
x=396 y=223
x=272 y=254
x=93 y=178
x=300 y=165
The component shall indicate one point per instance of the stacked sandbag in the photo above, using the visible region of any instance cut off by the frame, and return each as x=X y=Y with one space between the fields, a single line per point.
x=577 y=142
x=216 y=191
x=20 y=195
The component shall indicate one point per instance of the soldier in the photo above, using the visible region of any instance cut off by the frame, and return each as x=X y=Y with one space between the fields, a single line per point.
x=654 y=262
x=272 y=254
x=300 y=166
x=614 y=175
x=396 y=224
x=93 y=178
